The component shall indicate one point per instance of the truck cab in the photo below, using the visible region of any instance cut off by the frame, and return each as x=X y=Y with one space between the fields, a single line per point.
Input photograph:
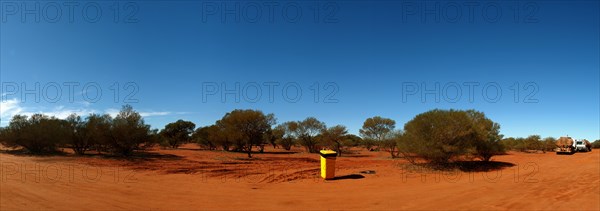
x=581 y=146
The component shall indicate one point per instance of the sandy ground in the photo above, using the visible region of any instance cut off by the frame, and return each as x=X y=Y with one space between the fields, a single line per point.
x=194 y=179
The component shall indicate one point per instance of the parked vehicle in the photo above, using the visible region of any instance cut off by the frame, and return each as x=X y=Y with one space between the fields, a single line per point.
x=583 y=146
x=565 y=145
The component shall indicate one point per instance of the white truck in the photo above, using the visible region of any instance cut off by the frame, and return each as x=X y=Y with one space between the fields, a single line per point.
x=583 y=146
x=566 y=145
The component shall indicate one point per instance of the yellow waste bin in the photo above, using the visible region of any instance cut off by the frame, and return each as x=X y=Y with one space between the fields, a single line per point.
x=328 y=163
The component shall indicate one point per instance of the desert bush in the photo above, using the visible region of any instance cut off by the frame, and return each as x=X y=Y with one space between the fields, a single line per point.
x=351 y=140
x=548 y=144
x=202 y=137
x=79 y=138
x=163 y=142
x=334 y=137
x=271 y=137
x=178 y=132
x=509 y=143
x=596 y=144
x=438 y=136
x=247 y=128
x=287 y=139
x=219 y=136
x=390 y=142
x=306 y=132
x=280 y=135
x=99 y=128
x=516 y=144
x=487 y=136
x=376 y=132
x=37 y=134
x=521 y=144
x=368 y=143
x=128 y=132
x=533 y=142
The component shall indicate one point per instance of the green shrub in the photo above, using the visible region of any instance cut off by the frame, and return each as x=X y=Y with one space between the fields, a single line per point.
x=438 y=136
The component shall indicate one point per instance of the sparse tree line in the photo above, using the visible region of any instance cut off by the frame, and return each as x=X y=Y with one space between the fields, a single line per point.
x=40 y=134
x=436 y=136
x=534 y=143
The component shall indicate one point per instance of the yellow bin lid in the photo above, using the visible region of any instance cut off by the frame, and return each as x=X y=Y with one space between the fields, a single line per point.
x=328 y=153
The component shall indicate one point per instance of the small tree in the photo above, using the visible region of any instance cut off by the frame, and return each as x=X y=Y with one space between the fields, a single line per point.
x=549 y=143
x=334 y=137
x=247 y=126
x=129 y=132
x=521 y=144
x=79 y=140
x=272 y=135
x=37 y=134
x=218 y=135
x=376 y=130
x=285 y=135
x=390 y=142
x=487 y=136
x=368 y=143
x=99 y=129
x=509 y=143
x=352 y=140
x=202 y=137
x=533 y=142
x=306 y=131
x=178 y=132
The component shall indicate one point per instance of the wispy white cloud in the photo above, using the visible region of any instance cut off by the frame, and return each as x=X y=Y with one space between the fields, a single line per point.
x=85 y=103
x=11 y=107
x=149 y=114
x=112 y=112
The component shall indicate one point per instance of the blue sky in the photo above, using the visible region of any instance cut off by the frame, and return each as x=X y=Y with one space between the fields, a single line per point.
x=171 y=59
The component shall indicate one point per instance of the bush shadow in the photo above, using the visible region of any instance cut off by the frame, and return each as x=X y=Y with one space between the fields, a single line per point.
x=349 y=176
x=277 y=153
x=140 y=156
x=355 y=156
x=26 y=153
x=480 y=166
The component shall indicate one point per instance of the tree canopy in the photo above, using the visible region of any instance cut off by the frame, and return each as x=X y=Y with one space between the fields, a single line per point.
x=178 y=132
x=246 y=127
x=441 y=135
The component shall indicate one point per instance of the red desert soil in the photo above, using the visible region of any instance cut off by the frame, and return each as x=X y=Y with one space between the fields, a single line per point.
x=193 y=179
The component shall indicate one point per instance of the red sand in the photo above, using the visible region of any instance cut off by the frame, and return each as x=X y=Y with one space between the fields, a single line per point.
x=192 y=179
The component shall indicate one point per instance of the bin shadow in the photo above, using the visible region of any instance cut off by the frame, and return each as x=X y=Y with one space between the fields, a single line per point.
x=349 y=176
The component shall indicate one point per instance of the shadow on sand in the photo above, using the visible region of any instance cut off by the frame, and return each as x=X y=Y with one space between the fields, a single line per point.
x=480 y=166
x=25 y=153
x=349 y=176
x=135 y=156
x=142 y=156
x=241 y=152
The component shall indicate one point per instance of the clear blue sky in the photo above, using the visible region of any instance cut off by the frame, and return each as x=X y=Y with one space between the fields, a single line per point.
x=366 y=56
